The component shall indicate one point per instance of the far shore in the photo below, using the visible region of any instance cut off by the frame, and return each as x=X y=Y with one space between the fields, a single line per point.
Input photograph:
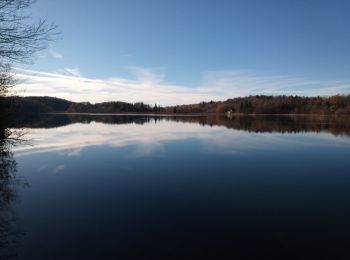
x=189 y=114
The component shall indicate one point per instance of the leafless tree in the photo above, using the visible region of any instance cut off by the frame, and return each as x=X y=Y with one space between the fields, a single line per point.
x=20 y=38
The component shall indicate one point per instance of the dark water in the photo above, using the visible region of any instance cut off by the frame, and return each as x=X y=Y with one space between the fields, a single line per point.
x=143 y=187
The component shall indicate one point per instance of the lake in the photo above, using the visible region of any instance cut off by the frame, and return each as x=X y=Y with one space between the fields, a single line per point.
x=184 y=187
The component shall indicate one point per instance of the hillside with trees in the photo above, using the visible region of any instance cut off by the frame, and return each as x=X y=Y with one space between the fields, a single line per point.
x=113 y=107
x=335 y=105
x=34 y=105
x=339 y=104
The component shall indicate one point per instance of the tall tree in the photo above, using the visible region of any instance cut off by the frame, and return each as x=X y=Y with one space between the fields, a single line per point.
x=20 y=40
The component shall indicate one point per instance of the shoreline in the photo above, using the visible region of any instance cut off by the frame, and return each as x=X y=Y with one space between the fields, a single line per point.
x=190 y=114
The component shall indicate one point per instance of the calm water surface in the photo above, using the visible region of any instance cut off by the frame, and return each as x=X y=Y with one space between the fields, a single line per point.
x=143 y=187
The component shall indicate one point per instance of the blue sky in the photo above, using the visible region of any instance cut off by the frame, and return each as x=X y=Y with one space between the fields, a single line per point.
x=170 y=52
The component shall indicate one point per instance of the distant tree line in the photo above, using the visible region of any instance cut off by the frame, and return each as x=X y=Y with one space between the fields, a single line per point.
x=112 y=107
x=339 y=104
x=36 y=105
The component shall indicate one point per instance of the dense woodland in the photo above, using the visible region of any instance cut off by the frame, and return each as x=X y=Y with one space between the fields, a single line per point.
x=112 y=107
x=34 y=105
x=339 y=105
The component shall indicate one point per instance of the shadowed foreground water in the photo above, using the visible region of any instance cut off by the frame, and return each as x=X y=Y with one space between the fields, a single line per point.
x=144 y=187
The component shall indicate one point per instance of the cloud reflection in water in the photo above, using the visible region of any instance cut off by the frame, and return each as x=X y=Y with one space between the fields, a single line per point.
x=148 y=138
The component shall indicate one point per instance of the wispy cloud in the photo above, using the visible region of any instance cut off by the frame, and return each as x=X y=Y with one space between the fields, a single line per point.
x=56 y=54
x=245 y=83
x=151 y=86
x=70 y=72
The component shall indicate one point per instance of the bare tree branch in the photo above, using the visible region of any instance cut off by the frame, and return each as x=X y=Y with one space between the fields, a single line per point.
x=20 y=39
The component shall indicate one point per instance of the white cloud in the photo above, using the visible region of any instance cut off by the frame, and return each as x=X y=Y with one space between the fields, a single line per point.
x=56 y=54
x=245 y=83
x=150 y=86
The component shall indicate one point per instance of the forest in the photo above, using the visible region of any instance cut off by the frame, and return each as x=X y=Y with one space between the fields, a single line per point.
x=339 y=104
x=336 y=105
x=35 y=105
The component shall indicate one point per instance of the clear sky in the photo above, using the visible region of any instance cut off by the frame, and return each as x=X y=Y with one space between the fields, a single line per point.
x=185 y=51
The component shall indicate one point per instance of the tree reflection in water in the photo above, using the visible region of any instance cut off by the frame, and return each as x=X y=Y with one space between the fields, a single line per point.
x=9 y=184
x=336 y=125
